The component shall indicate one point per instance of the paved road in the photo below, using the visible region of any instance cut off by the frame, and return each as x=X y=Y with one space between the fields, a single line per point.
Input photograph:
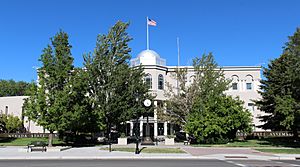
x=146 y=163
x=264 y=163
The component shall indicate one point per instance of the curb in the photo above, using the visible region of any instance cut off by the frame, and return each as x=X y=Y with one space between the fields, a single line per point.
x=145 y=158
x=104 y=158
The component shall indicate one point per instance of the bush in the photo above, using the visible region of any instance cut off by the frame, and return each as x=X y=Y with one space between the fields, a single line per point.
x=215 y=141
x=218 y=121
x=170 y=136
x=10 y=124
x=123 y=135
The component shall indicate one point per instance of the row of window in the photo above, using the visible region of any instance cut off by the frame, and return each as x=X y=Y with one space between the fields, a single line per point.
x=148 y=80
x=235 y=86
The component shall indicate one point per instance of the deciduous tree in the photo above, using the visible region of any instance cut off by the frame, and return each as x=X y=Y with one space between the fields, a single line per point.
x=13 y=88
x=179 y=99
x=48 y=104
x=113 y=84
x=10 y=124
x=215 y=117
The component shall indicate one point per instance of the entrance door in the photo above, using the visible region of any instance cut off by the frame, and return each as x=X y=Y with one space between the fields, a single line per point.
x=151 y=128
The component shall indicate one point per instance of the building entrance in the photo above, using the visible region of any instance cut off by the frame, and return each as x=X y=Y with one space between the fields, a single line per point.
x=151 y=128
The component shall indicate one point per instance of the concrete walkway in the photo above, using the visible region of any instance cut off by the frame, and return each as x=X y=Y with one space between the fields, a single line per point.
x=12 y=152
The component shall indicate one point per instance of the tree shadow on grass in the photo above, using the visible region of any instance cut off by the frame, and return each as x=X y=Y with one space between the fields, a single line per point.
x=6 y=139
x=142 y=149
x=281 y=142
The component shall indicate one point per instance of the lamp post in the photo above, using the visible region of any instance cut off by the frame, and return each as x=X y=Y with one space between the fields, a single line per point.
x=137 y=151
x=147 y=139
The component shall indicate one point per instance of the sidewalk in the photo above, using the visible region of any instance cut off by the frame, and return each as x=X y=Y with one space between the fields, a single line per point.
x=14 y=152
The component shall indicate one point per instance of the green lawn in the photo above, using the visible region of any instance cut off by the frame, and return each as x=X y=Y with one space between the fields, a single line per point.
x=266 y=142
x=247 y=143
x=147 y=150
x=24 y=141
x=280 y=151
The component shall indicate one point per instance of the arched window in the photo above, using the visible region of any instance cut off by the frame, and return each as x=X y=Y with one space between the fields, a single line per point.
x=148 y=80
x=234 y=86
x=235 y=80
x=249 y=80
x=160 y=82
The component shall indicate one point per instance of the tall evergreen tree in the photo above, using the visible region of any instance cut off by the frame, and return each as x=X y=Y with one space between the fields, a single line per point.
x=280 y=90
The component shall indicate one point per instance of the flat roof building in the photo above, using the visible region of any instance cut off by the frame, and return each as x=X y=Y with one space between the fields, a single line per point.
x=245 y=85
x=13 y=105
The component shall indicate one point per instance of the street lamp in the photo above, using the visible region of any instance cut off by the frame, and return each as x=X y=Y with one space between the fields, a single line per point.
x=147 y=139
x=137 y=151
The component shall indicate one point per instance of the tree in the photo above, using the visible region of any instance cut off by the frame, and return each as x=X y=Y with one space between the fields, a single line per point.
x=280 y=90
x=2 y=125
x=80 y=116
x=10 y=124
x=13 y=88
x=218 y=120
x=113 y=84
x=213 y=116
x=179 y=100
x=48 y=103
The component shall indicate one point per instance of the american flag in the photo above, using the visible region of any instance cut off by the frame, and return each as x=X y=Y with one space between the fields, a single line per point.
x=151 y=22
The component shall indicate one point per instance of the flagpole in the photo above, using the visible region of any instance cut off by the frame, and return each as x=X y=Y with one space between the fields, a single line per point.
x=147 y=34
x=178 y=52
x=178 y=56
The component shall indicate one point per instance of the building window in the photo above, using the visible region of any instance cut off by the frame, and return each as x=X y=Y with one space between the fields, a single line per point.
x=148 y=80
x=160 y=82
x=251 y=107
x=6 y=110
x=249 y=86
x=234 y=86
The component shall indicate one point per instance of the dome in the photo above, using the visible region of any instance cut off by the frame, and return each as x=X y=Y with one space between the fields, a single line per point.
x=148 y=57
x=148 y=53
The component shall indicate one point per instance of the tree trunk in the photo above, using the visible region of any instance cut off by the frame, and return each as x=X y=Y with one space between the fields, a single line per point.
x=50 y=139
x=108 y=135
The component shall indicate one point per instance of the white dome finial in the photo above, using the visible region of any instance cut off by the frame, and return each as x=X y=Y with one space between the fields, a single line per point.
x=148 y=57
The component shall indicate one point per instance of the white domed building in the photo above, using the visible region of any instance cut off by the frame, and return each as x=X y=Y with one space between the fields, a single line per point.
x=245 y=84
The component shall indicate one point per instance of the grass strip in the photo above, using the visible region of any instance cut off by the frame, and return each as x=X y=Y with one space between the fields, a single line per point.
x=25 y=141
x=281 y=151
x=269 y=142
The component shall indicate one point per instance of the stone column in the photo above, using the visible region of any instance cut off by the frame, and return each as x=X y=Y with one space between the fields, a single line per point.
x=155 y=119
x=165 y=123
x=131 y=128
x=165 y=128
x=141 y=126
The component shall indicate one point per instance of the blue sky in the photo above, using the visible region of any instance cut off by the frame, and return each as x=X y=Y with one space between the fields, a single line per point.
x=238 y=32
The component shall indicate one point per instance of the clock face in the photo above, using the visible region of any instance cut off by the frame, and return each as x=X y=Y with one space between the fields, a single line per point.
x=147 y=103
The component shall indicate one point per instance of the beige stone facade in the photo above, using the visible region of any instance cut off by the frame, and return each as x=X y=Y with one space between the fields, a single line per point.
x=13 y=105
x=245 y=85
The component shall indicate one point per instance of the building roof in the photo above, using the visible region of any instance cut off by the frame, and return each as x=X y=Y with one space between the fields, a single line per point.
x=148 y=57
